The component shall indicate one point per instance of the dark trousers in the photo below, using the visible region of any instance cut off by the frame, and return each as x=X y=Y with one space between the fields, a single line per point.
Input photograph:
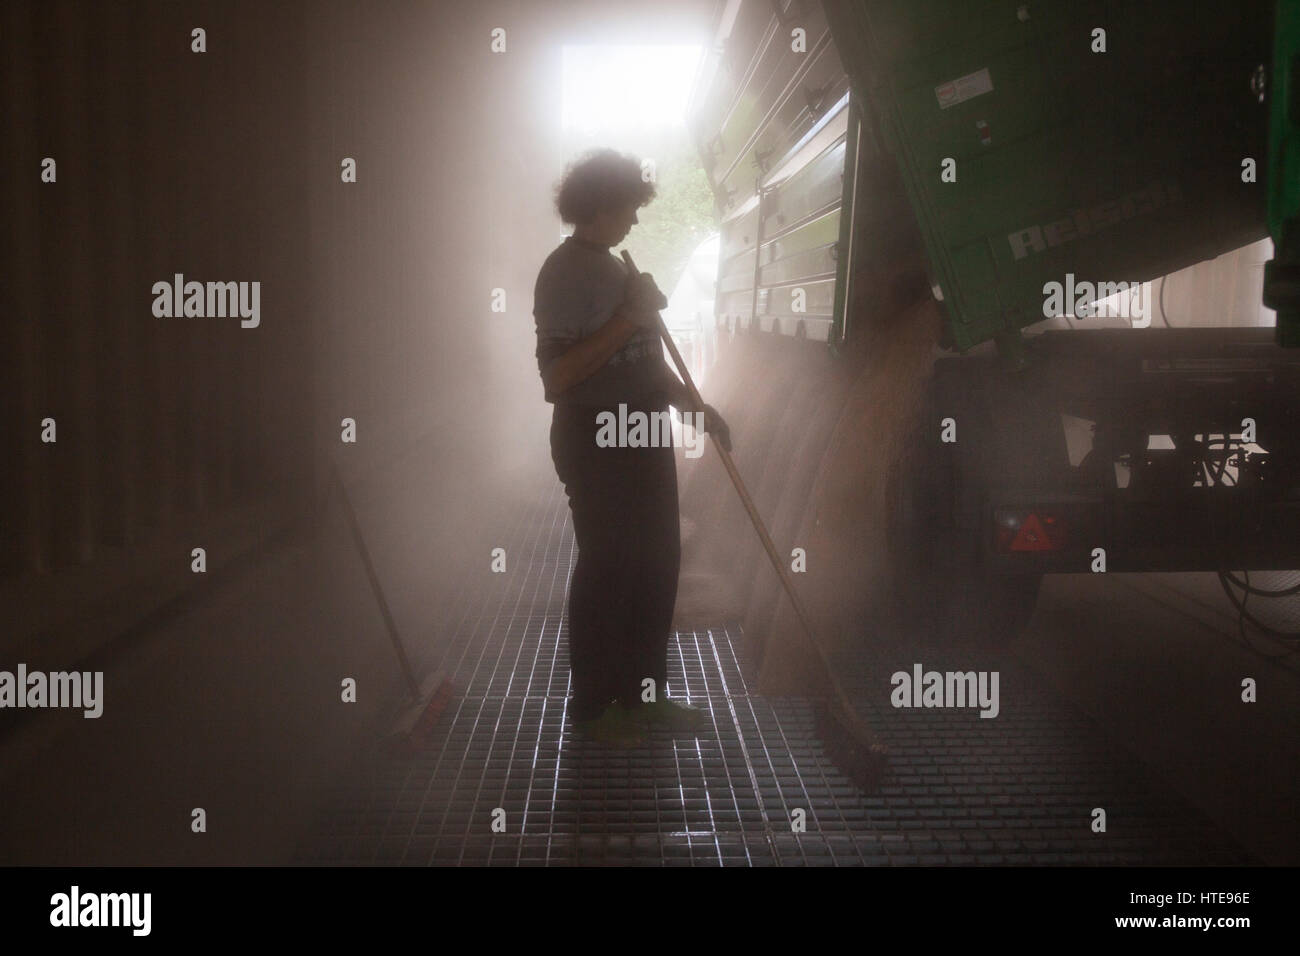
x=621 y=597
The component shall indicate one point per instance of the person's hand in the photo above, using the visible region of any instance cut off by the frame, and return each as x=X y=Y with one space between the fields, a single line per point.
x=642 y=295
x=716 y=425
x=645 y=318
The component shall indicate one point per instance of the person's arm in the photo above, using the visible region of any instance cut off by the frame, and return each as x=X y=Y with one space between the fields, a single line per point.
x=585 y=358
x=679 y=396
x=638 y=310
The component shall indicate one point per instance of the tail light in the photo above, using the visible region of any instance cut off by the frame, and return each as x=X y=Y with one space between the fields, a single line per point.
x=1019 y=531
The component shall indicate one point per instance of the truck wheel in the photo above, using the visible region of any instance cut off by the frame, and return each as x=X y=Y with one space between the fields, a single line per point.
x=987 y=610
x=941 y=591
x=942 y=594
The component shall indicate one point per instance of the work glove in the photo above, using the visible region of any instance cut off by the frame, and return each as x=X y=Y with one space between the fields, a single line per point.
x=716 y=425
x=642 y=295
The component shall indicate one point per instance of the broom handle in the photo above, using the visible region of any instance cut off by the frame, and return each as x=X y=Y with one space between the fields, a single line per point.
x=782 y=572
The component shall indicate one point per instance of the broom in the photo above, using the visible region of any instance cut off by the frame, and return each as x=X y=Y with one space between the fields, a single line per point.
x=850 y=742
x=411 y=728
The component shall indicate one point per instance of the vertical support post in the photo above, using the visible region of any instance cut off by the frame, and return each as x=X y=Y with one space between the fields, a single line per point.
x=758 y=254
x=844 y=246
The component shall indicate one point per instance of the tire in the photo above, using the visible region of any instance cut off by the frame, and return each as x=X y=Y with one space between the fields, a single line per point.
x=941 y=590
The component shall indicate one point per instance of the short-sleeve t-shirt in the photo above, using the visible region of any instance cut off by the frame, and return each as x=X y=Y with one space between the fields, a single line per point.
x=578 y=289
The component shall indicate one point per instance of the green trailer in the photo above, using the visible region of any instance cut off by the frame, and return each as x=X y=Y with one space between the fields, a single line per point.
x=1097 y=139
x=1027 y=162
x=1282 y=275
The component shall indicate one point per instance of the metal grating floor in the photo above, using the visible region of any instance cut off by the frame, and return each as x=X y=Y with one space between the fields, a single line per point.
x=961 y=790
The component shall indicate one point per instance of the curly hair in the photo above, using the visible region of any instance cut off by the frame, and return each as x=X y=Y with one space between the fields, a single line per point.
x=601 y=179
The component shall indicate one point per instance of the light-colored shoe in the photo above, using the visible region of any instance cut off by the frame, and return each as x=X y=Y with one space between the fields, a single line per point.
x=615 y=726
x=669 y=714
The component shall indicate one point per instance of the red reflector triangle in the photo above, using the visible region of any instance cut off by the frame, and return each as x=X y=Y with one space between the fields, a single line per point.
x=1031 y=536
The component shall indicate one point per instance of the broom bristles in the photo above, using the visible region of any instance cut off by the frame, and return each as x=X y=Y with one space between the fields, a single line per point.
x=414 y=725
x=851 y=745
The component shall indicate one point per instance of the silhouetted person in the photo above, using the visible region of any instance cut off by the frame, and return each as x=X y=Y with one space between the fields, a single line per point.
x=598 y=347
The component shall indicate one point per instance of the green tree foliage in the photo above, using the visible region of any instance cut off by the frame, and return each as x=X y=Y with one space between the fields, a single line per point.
x=679 y=218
